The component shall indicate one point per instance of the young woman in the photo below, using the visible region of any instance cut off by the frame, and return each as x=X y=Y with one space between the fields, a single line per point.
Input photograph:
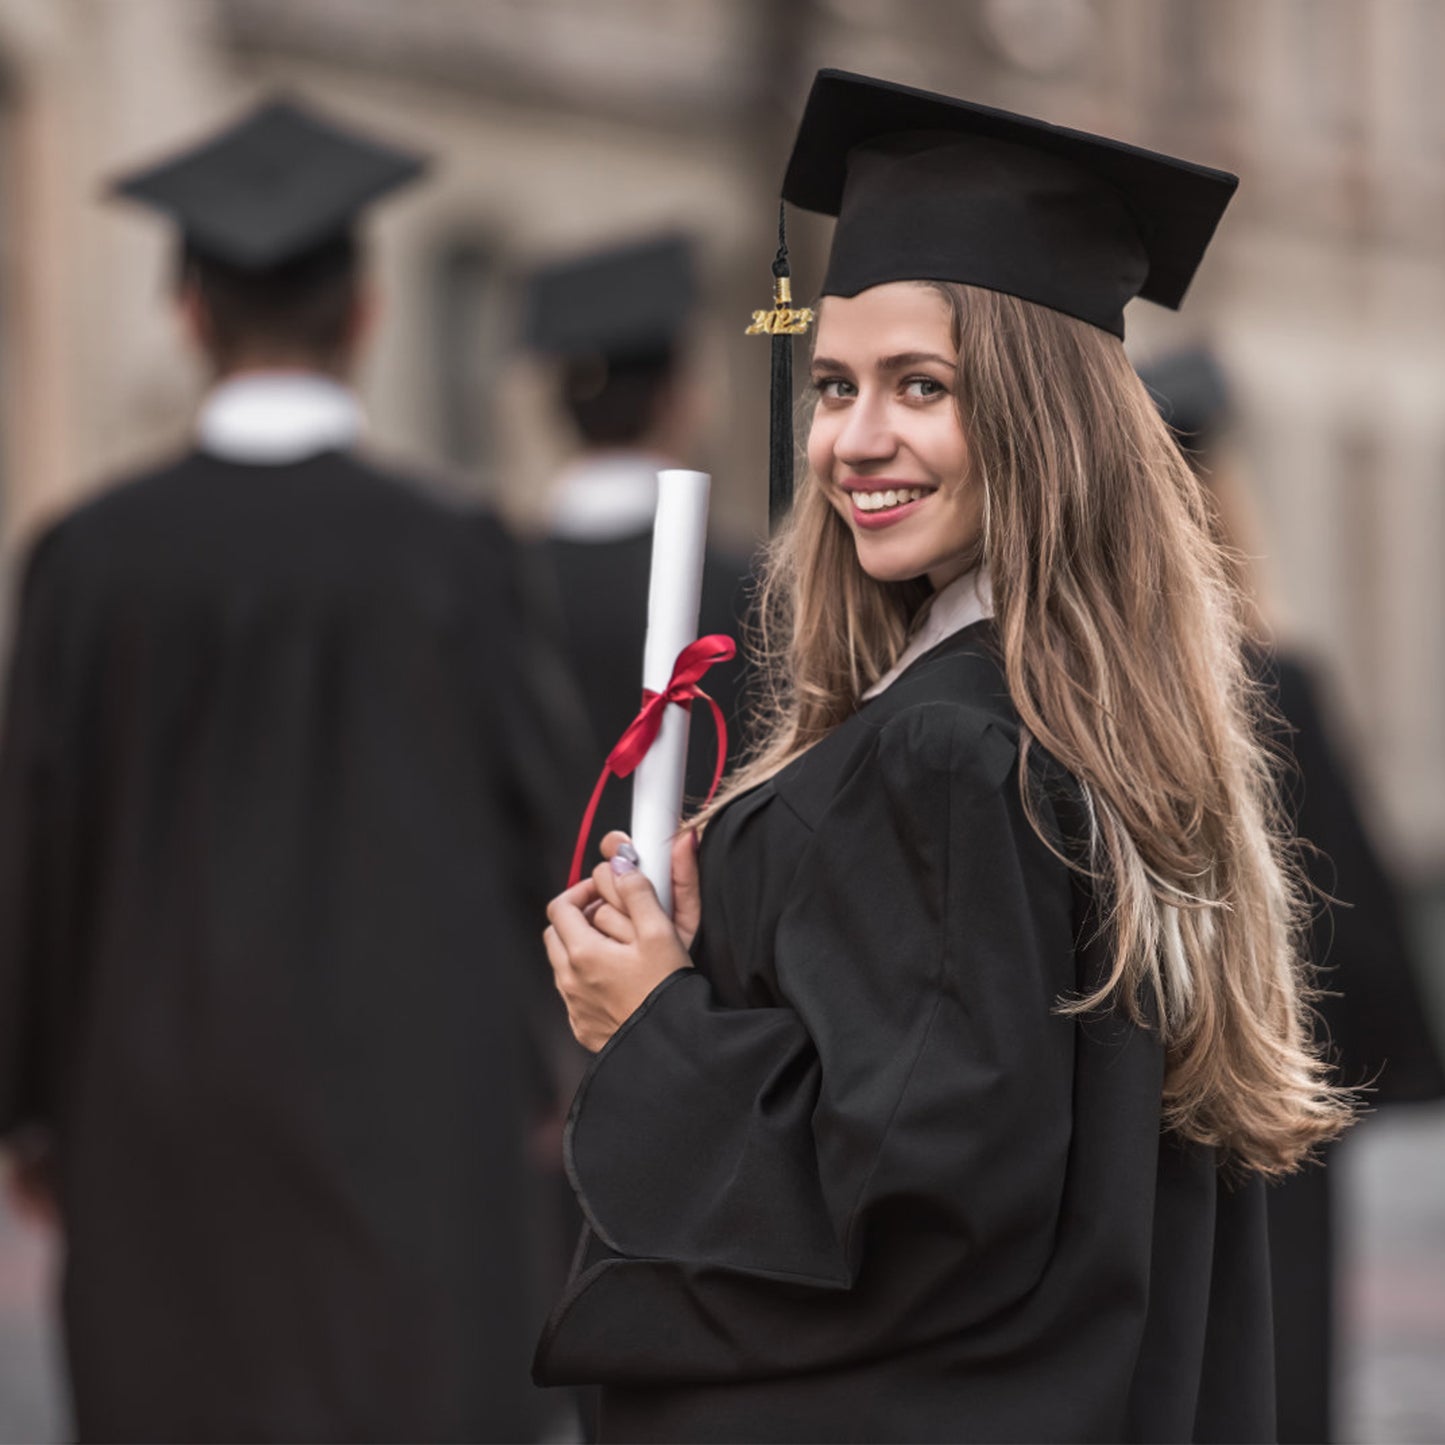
x=951 y=1124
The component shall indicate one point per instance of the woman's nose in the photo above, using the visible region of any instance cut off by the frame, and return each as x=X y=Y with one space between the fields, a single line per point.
x=866 y=436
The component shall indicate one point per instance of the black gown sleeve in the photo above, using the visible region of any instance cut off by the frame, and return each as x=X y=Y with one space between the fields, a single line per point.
x=30 y=776
x=750 y=1176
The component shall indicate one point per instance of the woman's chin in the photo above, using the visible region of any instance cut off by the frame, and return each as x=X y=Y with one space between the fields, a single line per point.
x=887 y=565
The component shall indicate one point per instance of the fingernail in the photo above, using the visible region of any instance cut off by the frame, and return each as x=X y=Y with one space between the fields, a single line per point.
x=625 y=859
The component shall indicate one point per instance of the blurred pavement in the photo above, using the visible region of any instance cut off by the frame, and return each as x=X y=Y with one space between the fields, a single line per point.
x=1392 y=1376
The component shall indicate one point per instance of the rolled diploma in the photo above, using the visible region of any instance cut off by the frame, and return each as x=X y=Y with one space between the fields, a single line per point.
x=679 y=538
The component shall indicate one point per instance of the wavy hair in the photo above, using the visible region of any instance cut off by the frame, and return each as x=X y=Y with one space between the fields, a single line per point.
x=1121 y=629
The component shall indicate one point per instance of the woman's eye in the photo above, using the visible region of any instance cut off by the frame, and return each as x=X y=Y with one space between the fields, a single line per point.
x=833 y=388
x=923 y=388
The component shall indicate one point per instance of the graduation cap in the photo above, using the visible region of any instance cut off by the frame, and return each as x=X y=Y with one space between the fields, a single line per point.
x=929 y=188
x=1191 y=393
x=626 y=303
x=281 y=184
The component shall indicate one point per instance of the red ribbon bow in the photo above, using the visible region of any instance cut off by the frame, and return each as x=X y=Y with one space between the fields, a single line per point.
x=682 y=687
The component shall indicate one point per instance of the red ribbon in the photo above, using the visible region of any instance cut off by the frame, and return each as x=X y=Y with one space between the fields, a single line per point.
x=682 y=688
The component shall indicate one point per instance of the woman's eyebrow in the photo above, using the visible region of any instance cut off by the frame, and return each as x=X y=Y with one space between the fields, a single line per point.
x=888 y=363
x=914 y=358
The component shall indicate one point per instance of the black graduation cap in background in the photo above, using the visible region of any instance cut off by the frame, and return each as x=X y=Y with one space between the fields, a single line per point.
x=930 y=188
x=1191 y=393
x=281 y=183
x=625 y=303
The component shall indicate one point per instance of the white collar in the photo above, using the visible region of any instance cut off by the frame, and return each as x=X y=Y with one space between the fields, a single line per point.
x=966 y=600
x=605 y=496
x=269 y=418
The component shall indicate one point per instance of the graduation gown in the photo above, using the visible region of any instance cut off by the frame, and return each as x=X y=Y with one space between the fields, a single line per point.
x=274 y=816
x=853 y=1177
x=1374 y=1016
x=1375 y=1011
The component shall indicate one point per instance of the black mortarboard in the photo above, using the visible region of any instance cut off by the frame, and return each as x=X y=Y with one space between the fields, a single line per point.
x=1191 y=393
x=624 y=303
x=272 y=188
x=928 y=188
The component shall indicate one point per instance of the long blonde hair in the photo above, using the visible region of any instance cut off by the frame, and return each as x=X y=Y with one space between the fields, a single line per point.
x=1122 y=638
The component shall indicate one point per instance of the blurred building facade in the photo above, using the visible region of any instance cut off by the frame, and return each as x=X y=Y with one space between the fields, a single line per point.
x=561 y=123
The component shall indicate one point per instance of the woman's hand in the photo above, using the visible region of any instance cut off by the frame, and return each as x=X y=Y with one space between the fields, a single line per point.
x=686 y=889
x=611 y=944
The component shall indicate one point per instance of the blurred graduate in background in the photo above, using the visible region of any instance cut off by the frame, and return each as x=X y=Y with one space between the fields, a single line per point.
x=616 y=323
x=1373 y=1008
x=278 y=808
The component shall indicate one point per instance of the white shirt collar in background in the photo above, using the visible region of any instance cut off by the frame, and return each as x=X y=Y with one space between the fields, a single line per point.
x=966 y=600
x=602 y=498
x=270 y=418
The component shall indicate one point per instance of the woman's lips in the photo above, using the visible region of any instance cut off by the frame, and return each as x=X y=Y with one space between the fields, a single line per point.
x=880 y=505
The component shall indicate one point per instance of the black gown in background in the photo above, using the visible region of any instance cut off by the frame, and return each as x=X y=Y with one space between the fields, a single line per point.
x=854 y=1177
x=277 y=812
x=1375 y=1018
x=1374 y=1011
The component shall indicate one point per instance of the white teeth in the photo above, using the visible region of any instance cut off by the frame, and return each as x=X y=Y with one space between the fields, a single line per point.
x=881 y=501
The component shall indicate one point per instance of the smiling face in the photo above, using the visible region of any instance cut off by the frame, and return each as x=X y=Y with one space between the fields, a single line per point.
x=887 y=445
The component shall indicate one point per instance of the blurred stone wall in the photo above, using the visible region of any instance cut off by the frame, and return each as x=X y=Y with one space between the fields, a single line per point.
x=561 y=123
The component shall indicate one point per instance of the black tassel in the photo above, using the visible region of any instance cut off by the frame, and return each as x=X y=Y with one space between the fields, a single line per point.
x=780 y=433
x=782 y=323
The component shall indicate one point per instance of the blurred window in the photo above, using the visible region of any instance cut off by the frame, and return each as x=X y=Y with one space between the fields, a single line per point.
x=1360 y=563
x=472 y=336
x=1188 y=30
x=1425 y=29
x=1330 y=40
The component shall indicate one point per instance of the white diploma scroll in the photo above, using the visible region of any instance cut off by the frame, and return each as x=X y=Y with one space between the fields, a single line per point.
x=679 y=538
